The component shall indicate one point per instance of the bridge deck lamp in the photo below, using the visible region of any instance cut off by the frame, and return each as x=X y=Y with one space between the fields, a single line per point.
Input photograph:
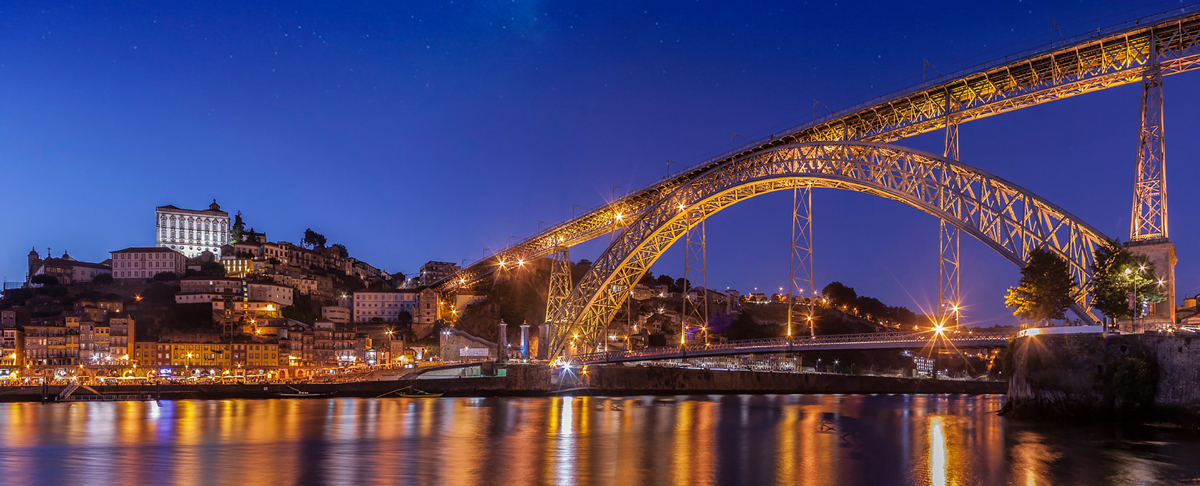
x=521 y=262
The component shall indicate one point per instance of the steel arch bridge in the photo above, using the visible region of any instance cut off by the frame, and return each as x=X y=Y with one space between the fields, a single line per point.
x=1007 y=218
x=1128 y=53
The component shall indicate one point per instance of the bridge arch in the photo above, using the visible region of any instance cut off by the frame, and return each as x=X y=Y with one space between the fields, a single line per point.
x=1009 y=219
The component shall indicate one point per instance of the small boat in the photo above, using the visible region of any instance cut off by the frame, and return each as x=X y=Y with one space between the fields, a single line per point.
x=419 y=395
x=410 y=392
x=303 y=394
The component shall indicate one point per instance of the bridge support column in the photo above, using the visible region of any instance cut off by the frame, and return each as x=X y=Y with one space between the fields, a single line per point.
x=801 y=283
x=525 y=340
x=949 y=297
x=1148 y=228
x=695 y=278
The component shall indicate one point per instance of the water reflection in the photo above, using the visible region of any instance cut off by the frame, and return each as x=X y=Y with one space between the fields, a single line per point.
x=807 y=440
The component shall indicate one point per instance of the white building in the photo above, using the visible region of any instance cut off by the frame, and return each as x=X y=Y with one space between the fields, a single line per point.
x=142 y=263
x=385 y=304
x=191 y=231
x=279 y=294
x=340 y=315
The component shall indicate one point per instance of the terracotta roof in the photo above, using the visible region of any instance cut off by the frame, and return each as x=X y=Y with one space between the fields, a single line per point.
x=146 y=249
x=64 y=263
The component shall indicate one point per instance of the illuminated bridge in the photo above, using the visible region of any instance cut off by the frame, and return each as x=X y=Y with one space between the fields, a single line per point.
x=877 y=340
x=850 y=150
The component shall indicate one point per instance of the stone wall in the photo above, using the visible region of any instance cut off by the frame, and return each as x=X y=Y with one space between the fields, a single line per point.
x=1089 y=376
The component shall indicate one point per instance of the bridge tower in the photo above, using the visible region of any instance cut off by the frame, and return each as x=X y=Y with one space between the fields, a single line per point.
x=949 y=297
x=560 y=288
x=695 y=270
x=1148 y=224
x=800 y=268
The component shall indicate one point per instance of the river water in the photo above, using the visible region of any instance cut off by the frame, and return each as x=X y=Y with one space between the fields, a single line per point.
x=697 y=440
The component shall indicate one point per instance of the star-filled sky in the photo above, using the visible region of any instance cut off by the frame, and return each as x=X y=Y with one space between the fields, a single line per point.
x=416 y=131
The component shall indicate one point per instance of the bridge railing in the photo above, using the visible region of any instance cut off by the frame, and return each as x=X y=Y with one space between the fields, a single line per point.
x=797 y=343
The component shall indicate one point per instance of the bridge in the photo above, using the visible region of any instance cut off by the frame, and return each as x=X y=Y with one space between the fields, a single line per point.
x=851 y=150
x=875 y=340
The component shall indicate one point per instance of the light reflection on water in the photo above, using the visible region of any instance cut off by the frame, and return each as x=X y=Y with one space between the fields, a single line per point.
x=814 y=440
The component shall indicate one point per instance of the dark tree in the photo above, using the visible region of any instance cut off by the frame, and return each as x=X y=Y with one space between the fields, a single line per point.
x=1044 y=291
x=665 y=280
x=44 y=279
x=165 y=276
x=341 y=249
x=1117 y=272
x=312 y=239
x=870 y=306
x=839 y=294
x=238 y=231
x=103 y=279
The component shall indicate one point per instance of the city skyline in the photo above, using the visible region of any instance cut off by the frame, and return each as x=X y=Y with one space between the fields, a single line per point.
x=432 y=136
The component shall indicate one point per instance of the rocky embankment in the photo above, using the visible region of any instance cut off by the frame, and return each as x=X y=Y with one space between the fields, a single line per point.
x=1088 y=377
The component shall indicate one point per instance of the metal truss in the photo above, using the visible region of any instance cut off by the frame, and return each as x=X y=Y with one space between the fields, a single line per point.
x=1004 y=216
x=1149 y=218
x=1104 y=59
x=800 y=267
x=949 y=295
x=560 y=282
x=695 y=279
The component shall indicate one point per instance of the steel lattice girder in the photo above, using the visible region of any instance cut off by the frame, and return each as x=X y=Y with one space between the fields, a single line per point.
x=1098 y=61
x=1002 y=215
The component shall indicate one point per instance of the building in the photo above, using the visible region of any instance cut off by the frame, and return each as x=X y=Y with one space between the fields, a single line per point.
x=340 y=315
x=94 y=342
x=192 y=232
x=144 y=263
x=432 y=272
x=52 y=342
x=279 y=294
x=195 y=351
x=12 y=346
x=69 y=270
x=122 y=334
x=385 y=304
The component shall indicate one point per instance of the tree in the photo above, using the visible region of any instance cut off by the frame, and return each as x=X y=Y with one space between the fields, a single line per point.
x=1044 y=291
x=665 y=280
x=341 y=249
x=312 y=239
x=1116 y=272
x=44 y=279
x=103 y=279
x=840 y=294
x=165 y=276
x=238 y=231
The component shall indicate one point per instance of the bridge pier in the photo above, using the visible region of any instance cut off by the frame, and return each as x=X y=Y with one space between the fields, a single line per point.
x=949 y=297
x=800 y=266
x=1148 y=224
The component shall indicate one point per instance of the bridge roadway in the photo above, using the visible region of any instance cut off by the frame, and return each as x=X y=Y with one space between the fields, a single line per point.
x=1099 y=60
x=833 y=342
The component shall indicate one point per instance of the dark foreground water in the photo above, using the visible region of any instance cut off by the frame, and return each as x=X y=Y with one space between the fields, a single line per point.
x=794 y=439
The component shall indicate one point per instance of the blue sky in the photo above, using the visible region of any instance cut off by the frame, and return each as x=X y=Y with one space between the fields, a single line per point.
x=415 y=131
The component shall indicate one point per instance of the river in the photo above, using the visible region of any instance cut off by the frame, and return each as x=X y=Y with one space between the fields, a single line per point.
x=696 y=440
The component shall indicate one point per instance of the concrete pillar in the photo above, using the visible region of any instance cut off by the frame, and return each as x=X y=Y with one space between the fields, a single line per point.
x=502 y=343
x=525 y=340
x=1162 y=253
x=544 y=332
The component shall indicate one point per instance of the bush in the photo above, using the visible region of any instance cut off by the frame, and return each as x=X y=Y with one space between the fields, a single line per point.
x=44 y=279
x=103 y=279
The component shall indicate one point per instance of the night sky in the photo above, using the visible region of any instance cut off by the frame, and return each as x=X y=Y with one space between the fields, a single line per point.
x=415 y=131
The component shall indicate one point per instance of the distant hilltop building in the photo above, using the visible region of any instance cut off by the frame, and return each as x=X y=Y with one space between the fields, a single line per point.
x=66 y=269
x=190 y=231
